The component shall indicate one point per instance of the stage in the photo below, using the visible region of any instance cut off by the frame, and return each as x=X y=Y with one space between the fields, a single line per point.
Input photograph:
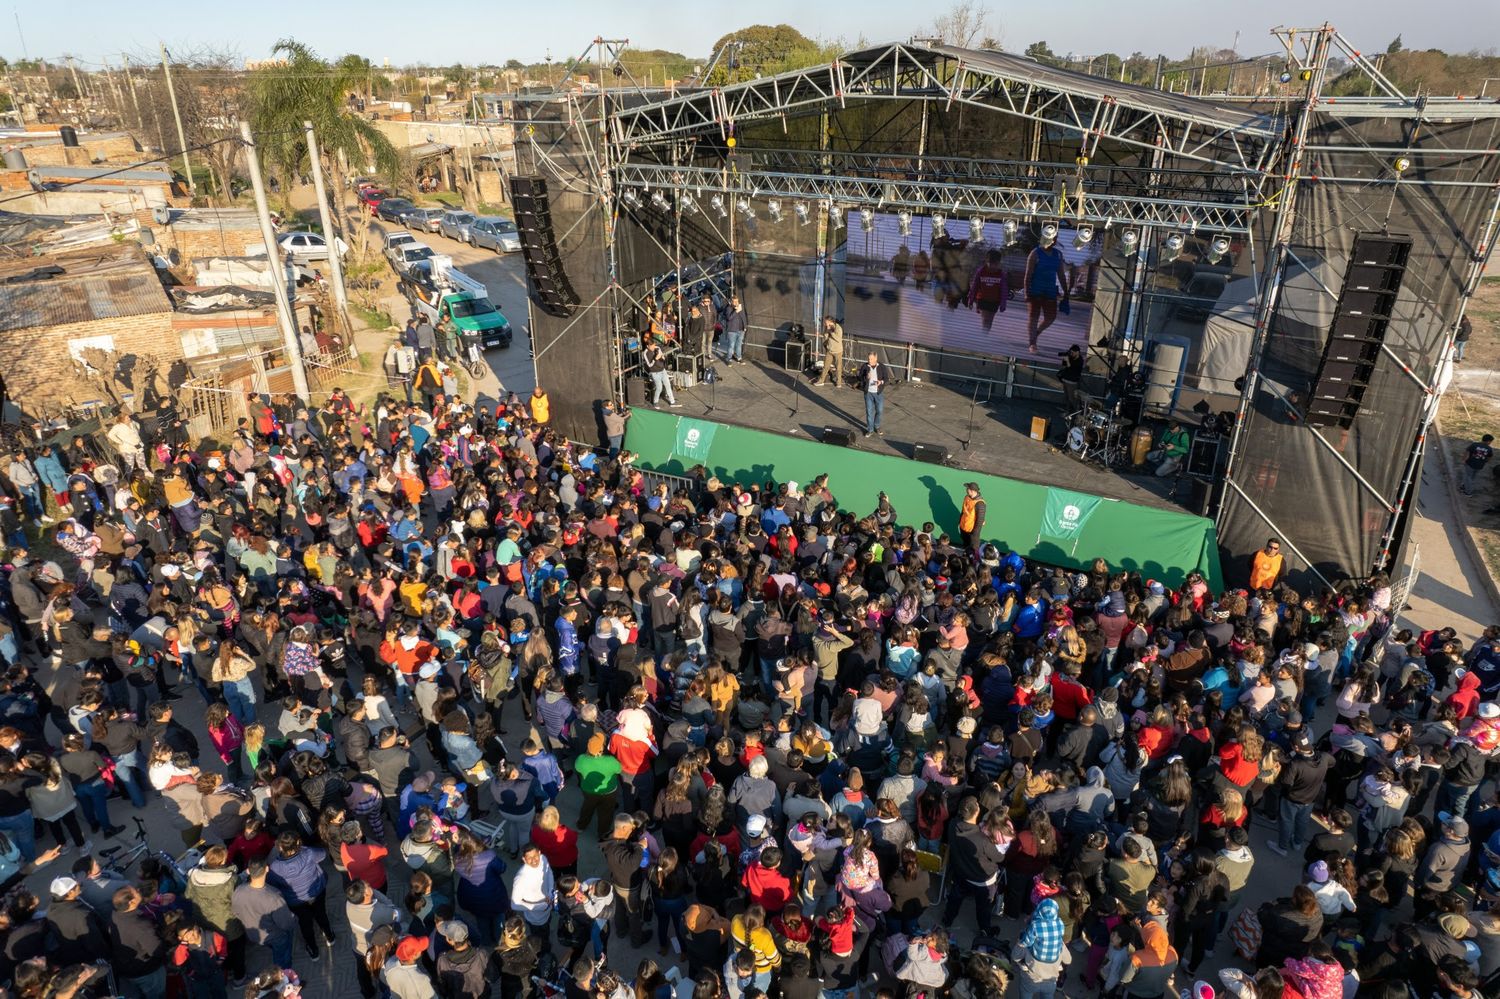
x=762 y=396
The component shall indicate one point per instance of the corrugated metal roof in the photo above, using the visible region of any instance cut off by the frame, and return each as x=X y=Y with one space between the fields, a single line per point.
x=92 y=173
x=91 y=287
x=426 y=150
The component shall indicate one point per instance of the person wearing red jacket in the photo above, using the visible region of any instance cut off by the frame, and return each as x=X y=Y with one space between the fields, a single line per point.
x=764 y=882
x=988 y=290
x=1068 y=695
x=637 y=782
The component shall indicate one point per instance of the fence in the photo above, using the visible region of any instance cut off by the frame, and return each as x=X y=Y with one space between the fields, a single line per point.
x=212 y=402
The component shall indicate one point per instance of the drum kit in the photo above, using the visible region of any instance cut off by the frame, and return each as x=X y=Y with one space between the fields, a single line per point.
x=1097 y=435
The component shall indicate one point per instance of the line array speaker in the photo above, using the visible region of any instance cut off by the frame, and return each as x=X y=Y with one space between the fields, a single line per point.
x=549 y=282
x=1366 y=304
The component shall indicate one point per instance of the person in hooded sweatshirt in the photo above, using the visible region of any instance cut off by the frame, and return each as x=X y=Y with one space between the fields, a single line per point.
x=1043 y=950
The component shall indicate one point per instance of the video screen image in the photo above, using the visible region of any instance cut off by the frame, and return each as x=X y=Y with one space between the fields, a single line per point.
x=999 y=296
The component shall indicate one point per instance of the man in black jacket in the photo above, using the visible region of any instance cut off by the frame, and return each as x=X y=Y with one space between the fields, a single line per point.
x=622 y=858
x=464 y=971
x=353 y=737
x=1301 y=783
x=975 y=861
x=75 y=934
x=874 y=377
x=136 y=949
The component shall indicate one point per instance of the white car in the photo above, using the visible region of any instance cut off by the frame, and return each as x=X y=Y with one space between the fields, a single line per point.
x=305 y=247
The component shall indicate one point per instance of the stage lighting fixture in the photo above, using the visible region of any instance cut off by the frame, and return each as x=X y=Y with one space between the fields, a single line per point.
x=836 y=215
x=1286 y=76
x=800 y=210
x=1402 y=164
x=1083 y=236
x=1008 y=227
x=903 y=221
x=1174 y=244
x=717 y=201
x=687 y=204
x=744 y=207
x=1217 y=249
x=773 y=209
x=1130 y=241
x=976 y=229
x=660 y=201
x=1049 y=231
x=630 y=197
x=867 y=219
x=939 y=225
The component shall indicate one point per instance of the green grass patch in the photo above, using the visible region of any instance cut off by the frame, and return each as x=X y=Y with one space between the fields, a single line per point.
x=376 y=319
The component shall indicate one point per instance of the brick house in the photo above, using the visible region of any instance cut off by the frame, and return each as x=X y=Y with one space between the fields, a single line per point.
x=57 y=312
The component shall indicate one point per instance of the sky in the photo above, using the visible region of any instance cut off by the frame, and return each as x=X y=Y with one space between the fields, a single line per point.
x=483 y=31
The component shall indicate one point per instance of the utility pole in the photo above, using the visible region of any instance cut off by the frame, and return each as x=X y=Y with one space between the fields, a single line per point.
x=140 y=123
x=77 y=87
x=187 y=163
x=330 y=236
x=284 y=316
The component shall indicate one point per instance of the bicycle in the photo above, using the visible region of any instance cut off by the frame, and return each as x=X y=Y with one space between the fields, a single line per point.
x=474 y=362
x=121 y=859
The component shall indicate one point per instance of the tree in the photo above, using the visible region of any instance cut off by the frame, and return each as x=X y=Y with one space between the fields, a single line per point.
x=964 y=24
x=1042 y=52
x=514 y=64
x=306 y=88
x=765 y=50
x=1394 y=47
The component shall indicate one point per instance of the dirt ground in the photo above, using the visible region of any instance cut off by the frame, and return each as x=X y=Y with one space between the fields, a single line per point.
x=1470 y=409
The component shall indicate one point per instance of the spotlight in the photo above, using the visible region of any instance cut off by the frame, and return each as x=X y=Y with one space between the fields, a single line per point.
x=687 y=204
x=660 y=201
x=743 y=205
x=1083 y=236
x=630 y=197
x=976 y=229
x=903 y=220
x=1217 y=249
x=717 y=201
x=867 y=219
x=1130 y=241
x=1049 y=232
x=773 y=209
x=1008 y=227
x=1174 y=244
x=1286 y=76
x=800 y=210
x=836 y=215
x=1402 y=164
x=939 y=225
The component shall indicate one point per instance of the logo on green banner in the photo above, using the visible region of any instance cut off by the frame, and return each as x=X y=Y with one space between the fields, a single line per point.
x=1064 y=514
x=694 y=438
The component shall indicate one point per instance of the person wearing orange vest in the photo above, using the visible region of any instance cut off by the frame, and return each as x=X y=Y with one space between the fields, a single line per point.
x=971 y=516
x=1265 y=567
x=541 y=405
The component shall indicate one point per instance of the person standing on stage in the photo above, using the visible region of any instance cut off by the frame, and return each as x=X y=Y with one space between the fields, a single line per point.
x=988 y=290
x=833 y=352
x=971 y=516
x=1044 y=286
x=655 y=360
x=734 y=332
x=874 y=376
x=1070 y=375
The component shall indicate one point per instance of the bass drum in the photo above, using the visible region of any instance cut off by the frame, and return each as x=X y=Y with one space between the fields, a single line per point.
x=1077 y=439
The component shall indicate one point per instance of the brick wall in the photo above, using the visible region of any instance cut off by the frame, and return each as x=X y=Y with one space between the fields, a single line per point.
x=38 y=368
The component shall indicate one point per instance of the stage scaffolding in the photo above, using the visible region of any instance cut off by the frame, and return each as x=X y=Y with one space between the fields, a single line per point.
x=1291 y=177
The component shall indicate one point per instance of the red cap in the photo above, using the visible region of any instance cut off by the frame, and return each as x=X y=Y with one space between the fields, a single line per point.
x=410 y=948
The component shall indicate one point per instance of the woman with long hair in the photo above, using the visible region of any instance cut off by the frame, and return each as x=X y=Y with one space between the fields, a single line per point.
x=228 y=737
x=516 y=952
x=481 y=892
x=672 y=890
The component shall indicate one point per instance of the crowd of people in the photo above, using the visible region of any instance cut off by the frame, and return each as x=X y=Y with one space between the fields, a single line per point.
x=428 y=689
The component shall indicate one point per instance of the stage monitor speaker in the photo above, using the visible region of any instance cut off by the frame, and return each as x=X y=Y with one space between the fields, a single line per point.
x=549 y=281
x=1203 y=455
x=795 y=353
x=635 y=391
x=842 y=436
x=1367 y=301
x=933 y=454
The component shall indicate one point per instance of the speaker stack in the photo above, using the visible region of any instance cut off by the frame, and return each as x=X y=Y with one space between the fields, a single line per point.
x=1366 y=304
x=550 y=285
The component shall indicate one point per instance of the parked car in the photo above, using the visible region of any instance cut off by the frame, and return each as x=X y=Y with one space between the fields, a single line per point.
x=426 y=219
x=394 y=209
x=305 y=247
x=403 y=256
x=496 y=233
x=455 y=224
x=371 y=197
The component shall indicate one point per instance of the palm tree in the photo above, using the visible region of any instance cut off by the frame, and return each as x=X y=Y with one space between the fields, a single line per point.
x=305 y=87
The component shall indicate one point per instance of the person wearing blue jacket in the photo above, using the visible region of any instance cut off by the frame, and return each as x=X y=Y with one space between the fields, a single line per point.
x=297 y=872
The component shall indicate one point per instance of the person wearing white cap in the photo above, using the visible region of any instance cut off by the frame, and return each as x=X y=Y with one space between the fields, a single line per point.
x=75 y=933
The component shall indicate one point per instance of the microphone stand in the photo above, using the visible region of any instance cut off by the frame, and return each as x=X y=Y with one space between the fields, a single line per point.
x=797 y=378
x=973 y=401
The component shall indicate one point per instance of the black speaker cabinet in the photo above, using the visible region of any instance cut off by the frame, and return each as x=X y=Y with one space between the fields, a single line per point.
x=635 y=391
x=933 y=454
x=1367 y=301
x=1203 y=455
x=842 y=436
x=550 y=286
